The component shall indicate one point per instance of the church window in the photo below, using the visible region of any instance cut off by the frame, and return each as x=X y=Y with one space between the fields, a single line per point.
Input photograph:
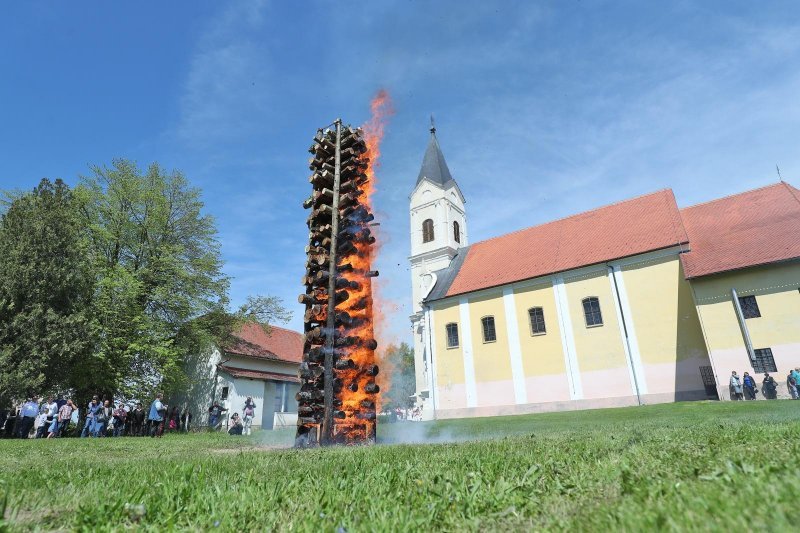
x=591 y=312
x=427 y=230
x=224 y=395
x=749 y=306
x=456 y=231
x=452 y=335
x=489 y=333
x=764 y=361
x=536 y=316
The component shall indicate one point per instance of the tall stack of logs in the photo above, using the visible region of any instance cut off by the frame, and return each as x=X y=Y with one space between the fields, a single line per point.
x=336 y=401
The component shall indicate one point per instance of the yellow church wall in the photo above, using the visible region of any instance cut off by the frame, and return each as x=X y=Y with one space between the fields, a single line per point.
x=493 y=380
x=667 y=327
x=776 y=290
x=542 y=354
x=450 y=381
x=600 y=352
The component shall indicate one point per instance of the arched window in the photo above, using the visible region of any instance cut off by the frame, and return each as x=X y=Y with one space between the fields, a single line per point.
x=536 y=316
x=591 y=312
x=456 y=231
x=489 y=333
x=452 y=335
x=427 y=230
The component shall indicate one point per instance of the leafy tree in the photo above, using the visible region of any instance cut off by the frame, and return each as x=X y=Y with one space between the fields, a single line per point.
x=398 y=368
x=158 y=265
x=45 y=291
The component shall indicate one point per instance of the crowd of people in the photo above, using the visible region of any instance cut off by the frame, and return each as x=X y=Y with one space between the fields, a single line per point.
x=52 y=417
x=746 y=388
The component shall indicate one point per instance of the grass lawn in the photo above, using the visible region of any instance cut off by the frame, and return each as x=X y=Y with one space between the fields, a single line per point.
x=733 y=466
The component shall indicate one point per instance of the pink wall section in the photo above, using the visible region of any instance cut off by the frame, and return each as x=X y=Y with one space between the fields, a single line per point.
x=609 y=383
x=552 y=388
x=664 y=378
x=452 y=397
x=495 y=393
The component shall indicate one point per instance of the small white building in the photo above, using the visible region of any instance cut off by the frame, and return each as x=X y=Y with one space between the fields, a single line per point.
x=258 y=364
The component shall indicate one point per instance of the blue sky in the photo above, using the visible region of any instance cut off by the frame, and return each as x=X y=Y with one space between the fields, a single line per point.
x=543 y=109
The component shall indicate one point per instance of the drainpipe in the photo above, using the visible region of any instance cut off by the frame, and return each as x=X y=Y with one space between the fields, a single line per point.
x=748 y=344
x=625 y=330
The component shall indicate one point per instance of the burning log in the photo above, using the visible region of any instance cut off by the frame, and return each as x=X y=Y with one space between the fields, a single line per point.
x=339 y=345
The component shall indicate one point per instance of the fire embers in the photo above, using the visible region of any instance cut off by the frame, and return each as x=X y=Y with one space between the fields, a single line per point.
x=347 y=340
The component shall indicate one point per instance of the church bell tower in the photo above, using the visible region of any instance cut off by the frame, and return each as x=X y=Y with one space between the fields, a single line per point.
x=438 y=230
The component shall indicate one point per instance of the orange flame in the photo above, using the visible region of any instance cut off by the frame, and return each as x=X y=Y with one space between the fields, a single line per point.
x=362 y=261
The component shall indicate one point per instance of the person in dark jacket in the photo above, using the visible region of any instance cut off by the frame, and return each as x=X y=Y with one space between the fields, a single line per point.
x=749 y=386
x=769 y=388
x=136 y=418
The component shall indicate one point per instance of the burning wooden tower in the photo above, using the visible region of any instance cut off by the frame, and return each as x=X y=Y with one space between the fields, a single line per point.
x=337 y=397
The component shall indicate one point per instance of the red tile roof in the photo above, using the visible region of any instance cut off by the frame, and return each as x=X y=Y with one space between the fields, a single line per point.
x=748 y=229
x=280 y=345
x=626 y=228
x=257 y=374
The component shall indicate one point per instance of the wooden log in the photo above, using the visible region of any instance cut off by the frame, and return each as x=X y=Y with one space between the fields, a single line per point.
x=372 y=370
x=372 y=388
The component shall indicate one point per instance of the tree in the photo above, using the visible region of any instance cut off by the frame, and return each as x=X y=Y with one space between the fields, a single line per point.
x=45 y=291
x=158 y=267
x=398 y=369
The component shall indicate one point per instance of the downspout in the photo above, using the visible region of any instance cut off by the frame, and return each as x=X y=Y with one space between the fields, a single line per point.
x=627 y=340
x=748 y=344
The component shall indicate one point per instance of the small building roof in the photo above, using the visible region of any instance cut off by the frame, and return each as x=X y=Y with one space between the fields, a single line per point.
x=237 y=372
x=748 y=229
x=279 y=345
x=631 y=227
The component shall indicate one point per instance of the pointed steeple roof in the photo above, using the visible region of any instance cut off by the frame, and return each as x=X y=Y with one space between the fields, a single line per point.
x=434 y=167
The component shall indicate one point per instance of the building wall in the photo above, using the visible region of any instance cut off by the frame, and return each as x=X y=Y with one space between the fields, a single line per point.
x=451 y=392
x=493 y=380
x=667 y=327
x=542 y=354
x=650 y=340
x=202 y=373
x=777 y=291
x=600 y=350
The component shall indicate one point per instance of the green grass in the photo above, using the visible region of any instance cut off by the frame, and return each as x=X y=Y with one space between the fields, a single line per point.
x=707 y=466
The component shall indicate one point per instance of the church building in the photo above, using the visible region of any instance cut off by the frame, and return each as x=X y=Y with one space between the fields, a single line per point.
x=632 y=303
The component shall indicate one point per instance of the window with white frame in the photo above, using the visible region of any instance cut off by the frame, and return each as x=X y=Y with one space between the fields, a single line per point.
x=536 y=317
x=489 y=333
x=452 y=335
x=591 y=312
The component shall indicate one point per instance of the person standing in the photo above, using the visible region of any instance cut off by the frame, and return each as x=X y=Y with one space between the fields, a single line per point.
x=91 y=409
x=136 y=418
x=768 y=387
x=52 y=411
x=174 y=419
x=791 y=385
x=27 y=416
x=101 y=419
x=120 y=416
x=186 y=420
x=736 y=387
x=62 y=419
x=249 y=413
x=749 y=386
x=214 y=413
x=156 y=416
x=40 y=424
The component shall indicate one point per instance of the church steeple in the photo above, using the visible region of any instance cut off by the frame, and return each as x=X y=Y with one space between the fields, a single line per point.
x=434 y=168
